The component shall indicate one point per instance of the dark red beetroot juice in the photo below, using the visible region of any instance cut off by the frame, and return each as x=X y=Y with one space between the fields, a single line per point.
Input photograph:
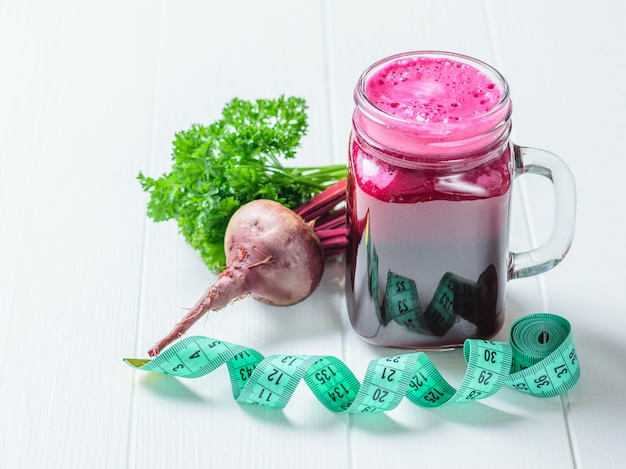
x=430 y=172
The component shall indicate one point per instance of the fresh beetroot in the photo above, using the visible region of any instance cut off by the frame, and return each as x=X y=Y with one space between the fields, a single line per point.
x=272 y=254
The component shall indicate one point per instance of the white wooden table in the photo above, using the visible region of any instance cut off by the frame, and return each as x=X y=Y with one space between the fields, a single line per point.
x=91 y=93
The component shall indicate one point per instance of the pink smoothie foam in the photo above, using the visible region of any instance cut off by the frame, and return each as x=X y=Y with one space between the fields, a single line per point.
x=426 y=89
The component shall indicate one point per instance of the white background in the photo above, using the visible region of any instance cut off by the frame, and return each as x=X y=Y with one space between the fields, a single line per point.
x=91 y=93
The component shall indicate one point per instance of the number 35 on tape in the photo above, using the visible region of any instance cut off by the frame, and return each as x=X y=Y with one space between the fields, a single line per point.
x=540 y=360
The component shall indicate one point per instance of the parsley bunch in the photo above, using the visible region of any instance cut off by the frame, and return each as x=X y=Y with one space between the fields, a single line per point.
x=220 y=167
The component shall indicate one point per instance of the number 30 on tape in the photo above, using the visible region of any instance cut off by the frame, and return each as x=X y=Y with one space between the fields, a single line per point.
x=539 y=360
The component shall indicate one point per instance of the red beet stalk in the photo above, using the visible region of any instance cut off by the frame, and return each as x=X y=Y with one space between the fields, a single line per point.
x=327 y=215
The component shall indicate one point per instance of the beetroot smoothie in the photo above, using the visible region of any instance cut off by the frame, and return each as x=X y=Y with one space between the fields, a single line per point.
x=430 y=171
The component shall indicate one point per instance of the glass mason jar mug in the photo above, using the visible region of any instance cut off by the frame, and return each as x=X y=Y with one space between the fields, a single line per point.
x=431 y=169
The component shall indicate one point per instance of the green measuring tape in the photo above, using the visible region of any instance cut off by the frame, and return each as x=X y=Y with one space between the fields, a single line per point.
x=539 y=360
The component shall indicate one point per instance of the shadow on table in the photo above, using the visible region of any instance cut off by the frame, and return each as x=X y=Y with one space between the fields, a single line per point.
x=170 y=387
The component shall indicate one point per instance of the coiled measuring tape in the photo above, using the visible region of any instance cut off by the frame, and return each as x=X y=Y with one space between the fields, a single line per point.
x=540 y=360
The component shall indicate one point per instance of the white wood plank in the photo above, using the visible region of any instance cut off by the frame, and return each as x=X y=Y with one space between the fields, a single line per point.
x=75 y=92
x=571 y=78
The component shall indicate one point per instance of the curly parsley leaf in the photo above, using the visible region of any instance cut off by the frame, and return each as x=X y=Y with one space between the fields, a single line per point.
x=220 y=167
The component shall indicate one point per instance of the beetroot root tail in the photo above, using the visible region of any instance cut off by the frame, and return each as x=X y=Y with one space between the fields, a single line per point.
x=226 y=288
x=178 y=331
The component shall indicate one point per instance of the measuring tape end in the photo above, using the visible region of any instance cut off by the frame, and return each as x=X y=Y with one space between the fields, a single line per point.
x=136 y=362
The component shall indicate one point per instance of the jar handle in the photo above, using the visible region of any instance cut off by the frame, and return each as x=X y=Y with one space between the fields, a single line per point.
x=543 y=258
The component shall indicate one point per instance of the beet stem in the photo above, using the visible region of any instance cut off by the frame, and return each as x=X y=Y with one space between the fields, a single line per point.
x=334 y=219
x=334 y=241
x=323 y=202
x=322 y=213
